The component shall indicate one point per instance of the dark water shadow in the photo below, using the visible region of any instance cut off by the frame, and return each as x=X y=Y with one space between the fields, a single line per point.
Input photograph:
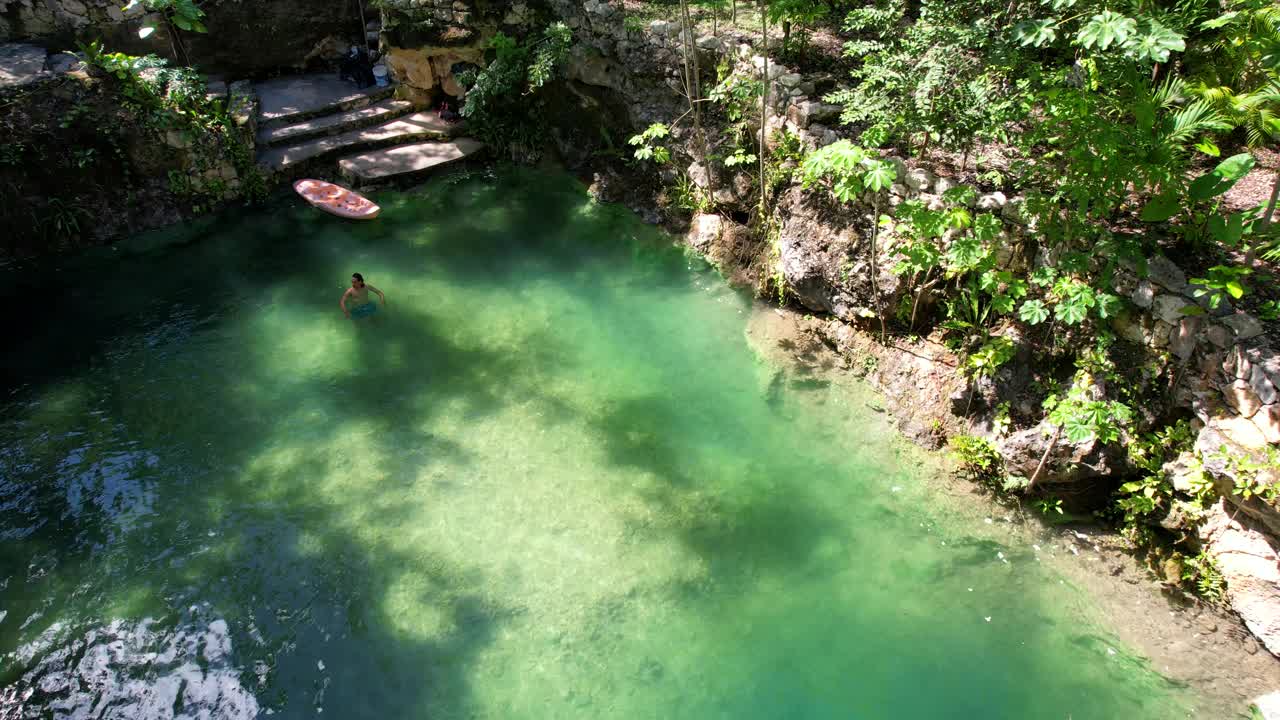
x=318 y=588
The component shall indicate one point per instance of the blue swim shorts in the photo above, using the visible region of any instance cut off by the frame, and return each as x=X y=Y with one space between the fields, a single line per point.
x=364 y=311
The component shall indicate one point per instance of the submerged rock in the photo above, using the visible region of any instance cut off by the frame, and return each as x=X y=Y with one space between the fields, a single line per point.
x=134 y=670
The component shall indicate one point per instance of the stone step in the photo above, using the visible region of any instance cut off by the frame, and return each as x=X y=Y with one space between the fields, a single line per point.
x=404 y=161
x=410 y=128
x=333 y=124
x=292 y=99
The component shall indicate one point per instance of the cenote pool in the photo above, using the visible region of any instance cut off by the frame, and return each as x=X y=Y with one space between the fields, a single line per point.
x=556 y=480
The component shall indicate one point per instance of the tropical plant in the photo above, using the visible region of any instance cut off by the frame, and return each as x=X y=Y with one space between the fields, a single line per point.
x=175 y=15
x=1082 y=417
x=1202 y=570
x=978 y=458
x=497 y=106
x=648 y=144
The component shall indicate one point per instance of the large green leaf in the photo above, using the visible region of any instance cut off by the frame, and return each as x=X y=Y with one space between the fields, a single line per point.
x=1072 y=310
x=1154 y=41
x=1222 y=178
x=1161 y=207
x=1221 y=20
x=1036 y=32
x=1208 y=147
x=1227 y=230
x=965 y=252
x=1044 y=275
x=1269 y=53
x=879 y=175
x=846 y=190
x=1108 y=305
x=1079 y=429
x=1105 y=29
x=1033 y=312
x=986 y=227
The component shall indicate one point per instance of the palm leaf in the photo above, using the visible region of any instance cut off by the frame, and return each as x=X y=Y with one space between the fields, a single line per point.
x=1172 y=91
x=1194 y=119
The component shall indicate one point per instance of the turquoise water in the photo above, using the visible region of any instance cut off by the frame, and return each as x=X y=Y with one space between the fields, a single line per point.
x=556 y=478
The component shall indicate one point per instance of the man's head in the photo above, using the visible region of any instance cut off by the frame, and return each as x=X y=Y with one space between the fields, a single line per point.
x=357 y=280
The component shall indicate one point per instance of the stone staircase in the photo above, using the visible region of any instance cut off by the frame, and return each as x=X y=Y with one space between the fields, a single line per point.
x=306 y=122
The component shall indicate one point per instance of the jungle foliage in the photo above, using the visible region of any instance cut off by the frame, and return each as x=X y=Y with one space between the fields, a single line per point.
x=501 y=106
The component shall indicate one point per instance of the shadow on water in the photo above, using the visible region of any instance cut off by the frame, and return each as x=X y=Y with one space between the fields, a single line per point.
x=321 y=587
x=755 y=527
x=317 y=584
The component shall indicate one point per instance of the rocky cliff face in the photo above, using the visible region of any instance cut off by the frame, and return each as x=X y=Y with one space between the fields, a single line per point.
x=245 y=38
x=87 y=160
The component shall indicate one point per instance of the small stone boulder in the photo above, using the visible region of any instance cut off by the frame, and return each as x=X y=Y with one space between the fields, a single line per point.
x=710 y=43
x=1162 y=271
x=1067 y=463
x=790 y=80
x=918 y=179
x=1246 y=327
x=992 y=201
x=1169 y=308
x=705 y=231
x=1241 y=397
x=1144 y=294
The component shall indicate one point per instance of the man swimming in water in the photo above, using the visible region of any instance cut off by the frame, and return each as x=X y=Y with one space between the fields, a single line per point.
x=362 y=305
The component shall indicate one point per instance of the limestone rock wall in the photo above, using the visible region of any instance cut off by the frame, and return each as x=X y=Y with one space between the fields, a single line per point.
x=246 y=37
x=84 y=167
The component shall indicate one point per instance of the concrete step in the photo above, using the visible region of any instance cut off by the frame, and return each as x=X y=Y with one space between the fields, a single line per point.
x=404 y=161
x=340 y=122
x=294 y=98
x=297 y=157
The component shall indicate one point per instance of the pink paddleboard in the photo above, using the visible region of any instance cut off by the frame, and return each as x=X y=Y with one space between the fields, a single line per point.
x=337 y=200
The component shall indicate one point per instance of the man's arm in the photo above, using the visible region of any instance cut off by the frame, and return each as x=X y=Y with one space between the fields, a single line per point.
x=342 y=303
x=384 y=297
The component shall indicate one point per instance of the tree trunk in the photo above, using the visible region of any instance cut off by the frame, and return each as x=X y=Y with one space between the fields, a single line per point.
x=871 y=267
x=695 y=93
x=920 y=290
x=364 y=28
x=1053 y=442
x=175 y=43
x=764 y=100
x=1266 y=220
x=733 y=12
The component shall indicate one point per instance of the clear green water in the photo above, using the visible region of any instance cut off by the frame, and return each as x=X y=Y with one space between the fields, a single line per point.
x=555 y=481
